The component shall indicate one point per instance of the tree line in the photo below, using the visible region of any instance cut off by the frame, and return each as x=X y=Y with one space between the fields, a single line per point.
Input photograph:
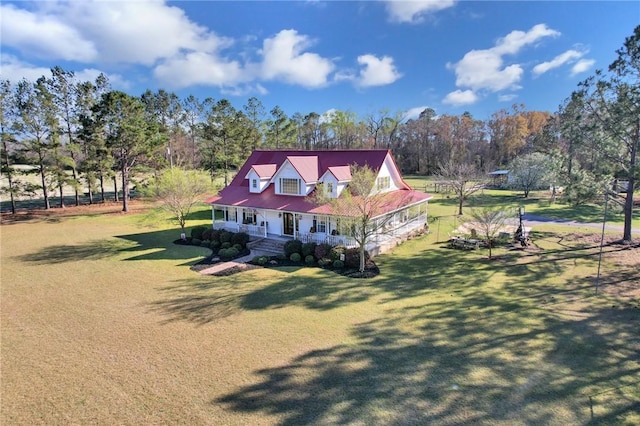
x=80 y=133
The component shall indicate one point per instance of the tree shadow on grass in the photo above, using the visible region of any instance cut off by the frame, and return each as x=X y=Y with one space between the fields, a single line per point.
x=442 y=364
x=142 y=246
x=203 y=299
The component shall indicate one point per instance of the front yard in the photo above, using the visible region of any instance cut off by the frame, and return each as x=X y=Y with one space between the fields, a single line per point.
x=104 y=322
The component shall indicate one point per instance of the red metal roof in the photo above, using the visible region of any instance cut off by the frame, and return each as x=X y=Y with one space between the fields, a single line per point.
x=269 y=200
x=264 y=170
x=342 y=173
x=337 y=162
x=306 y=166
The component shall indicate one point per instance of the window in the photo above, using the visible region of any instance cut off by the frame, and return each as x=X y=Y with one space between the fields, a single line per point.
x=289 y=186
x=330 y=187
x=320 y=223
x=254 y=183
x=249 y=217
x=383 y=182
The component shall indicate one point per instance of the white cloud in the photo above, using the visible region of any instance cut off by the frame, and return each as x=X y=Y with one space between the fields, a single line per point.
x=122 y=36
x=284 y=59
x=507 y=98
x=414 y=11
x=327 y=116
x=516 y=40
x=105 y=31
x=460 y=97
x=582 y=65
x=377 y=71
x=14 y=70
x=43 y=35
x=563 y=58
x=199 y=68
x=485 y=70
x=413 y=113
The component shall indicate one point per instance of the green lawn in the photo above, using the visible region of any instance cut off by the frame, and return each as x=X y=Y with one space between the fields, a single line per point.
x=103 y=322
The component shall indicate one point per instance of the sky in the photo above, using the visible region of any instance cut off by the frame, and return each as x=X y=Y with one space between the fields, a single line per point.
x=317 y=56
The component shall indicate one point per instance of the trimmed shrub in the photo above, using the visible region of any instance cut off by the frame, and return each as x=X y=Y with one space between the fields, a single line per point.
x=308 y=249
x=337 y=251
x=295 y=257
x=352 y=257
x=292 y=246
x=228 y=253
x=260 y=260
x=237 y=247
x=309 y=260
x=196 y=233
x=196 y=242
x=240 y=238
x=215 y=235
x=206 y=235
x=205 y=243
x=225 y=245
x=225 y=236
x=322 y=251
x=281 y=257
x=338 y=264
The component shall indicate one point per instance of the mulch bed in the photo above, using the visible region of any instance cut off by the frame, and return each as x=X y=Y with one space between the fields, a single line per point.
x=370 y=270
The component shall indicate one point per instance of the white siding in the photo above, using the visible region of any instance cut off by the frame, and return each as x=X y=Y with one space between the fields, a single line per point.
x=287 y=171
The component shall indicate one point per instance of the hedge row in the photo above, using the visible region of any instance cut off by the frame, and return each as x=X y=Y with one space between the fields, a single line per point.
x=227 y=245
x=323 y=254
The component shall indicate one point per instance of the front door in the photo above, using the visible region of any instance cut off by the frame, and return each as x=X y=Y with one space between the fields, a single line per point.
x=287 y=223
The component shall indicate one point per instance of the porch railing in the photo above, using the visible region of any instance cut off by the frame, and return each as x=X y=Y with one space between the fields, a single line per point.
x=253 y=230
x=333 y=240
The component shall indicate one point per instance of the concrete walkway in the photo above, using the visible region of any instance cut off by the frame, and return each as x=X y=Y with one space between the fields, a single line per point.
x=240 y=263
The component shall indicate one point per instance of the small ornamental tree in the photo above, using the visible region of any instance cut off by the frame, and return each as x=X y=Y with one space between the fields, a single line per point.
x=488 y=222
x=179 y=190
x=360 y=207
x=530 y=172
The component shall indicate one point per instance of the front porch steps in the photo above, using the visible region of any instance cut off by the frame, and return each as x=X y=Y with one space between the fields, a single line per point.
x=266 y=246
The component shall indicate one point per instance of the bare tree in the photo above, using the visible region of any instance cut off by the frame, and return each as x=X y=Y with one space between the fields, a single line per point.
x=464 y=178
x=489 y=221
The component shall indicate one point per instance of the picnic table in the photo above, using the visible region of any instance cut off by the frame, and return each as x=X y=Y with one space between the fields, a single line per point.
x=464 y=243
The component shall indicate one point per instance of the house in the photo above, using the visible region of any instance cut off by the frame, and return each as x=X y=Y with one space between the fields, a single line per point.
x=269 y=196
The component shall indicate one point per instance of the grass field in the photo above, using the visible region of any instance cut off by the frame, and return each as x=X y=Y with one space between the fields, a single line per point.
x=103 y=322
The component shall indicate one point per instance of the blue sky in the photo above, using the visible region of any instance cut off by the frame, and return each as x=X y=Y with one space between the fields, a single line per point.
x=304 y=56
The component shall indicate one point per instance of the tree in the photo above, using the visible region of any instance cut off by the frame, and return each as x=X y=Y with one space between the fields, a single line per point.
x=612 y=100
x=97 y=161
x=7 y=115
x=360 y=207
x=529 y=172
x=464 y=178
x=254 y=110
x=63 y=87
x=488 y=221
x=179 y=190
x=193 y=112
x=127 y=133
x=220 y=143
x=36 y=126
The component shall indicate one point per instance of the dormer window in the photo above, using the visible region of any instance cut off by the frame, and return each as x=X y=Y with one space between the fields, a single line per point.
x=330 y=187
x=383 y=182
x=254 y=183
x=289 y=186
